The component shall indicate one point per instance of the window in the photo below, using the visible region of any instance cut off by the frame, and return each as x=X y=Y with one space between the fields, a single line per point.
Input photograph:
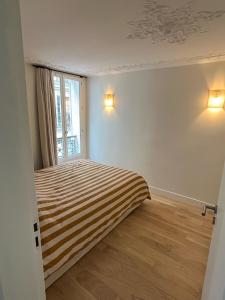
x=69 y=106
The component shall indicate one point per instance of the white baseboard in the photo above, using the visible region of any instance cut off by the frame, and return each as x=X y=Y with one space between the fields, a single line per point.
x=176 y=196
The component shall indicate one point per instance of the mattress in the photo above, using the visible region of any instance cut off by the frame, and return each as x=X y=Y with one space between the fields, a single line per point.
x=78 y=204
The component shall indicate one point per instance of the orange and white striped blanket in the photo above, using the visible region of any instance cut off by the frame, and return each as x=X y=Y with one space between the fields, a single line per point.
x=77 y=203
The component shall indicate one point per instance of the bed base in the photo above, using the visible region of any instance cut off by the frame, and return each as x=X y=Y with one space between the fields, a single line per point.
x=56 y=275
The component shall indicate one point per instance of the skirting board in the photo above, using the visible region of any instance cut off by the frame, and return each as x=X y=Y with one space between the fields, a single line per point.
x=175 y=196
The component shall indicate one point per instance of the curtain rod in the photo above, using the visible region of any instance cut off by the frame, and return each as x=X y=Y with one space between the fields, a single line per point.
x=57 y=70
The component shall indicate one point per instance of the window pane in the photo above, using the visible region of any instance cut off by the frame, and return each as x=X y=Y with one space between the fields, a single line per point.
x=59 y=121
x=72 y=107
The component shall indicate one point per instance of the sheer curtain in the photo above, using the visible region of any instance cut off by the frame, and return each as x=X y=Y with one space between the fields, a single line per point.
x=46 y=116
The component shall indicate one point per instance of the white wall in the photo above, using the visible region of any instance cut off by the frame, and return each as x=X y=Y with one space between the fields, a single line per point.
x=161 y=127
x=33 y=115
x=21 y=271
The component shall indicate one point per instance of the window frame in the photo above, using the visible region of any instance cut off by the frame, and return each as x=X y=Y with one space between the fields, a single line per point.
x=82 y=112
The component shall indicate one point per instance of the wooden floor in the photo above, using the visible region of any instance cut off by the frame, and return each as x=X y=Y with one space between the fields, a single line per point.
x=159 y=252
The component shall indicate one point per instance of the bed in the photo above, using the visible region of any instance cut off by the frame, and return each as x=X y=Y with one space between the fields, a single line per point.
x=79 y=203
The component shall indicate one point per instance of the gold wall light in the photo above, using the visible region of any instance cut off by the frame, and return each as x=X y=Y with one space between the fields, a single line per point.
x=109 y=102
x=216 y=99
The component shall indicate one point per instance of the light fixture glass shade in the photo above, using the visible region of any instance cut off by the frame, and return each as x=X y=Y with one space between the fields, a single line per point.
x=216 y=99
x=109 y=101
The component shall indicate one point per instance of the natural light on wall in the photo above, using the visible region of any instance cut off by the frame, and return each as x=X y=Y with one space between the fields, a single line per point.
x=109 y=101
x=216 y=100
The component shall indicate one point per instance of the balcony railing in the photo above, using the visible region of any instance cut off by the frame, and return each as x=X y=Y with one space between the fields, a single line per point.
x=72 y=146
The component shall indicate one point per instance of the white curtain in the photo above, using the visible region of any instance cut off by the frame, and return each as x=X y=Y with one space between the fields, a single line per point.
x=46 y=116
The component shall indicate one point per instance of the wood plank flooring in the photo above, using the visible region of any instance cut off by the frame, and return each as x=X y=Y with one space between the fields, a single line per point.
x=159 y=252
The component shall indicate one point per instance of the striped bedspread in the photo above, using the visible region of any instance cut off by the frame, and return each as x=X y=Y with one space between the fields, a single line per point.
x=77 y=202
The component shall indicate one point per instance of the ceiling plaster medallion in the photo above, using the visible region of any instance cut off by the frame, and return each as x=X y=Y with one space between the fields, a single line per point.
x=163 y=23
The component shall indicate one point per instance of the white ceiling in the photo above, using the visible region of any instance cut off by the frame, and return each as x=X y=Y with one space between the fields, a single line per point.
x=94 y=37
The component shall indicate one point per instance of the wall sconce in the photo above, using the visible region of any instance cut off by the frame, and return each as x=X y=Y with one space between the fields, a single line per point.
x=109 y=101
x=216 y=99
